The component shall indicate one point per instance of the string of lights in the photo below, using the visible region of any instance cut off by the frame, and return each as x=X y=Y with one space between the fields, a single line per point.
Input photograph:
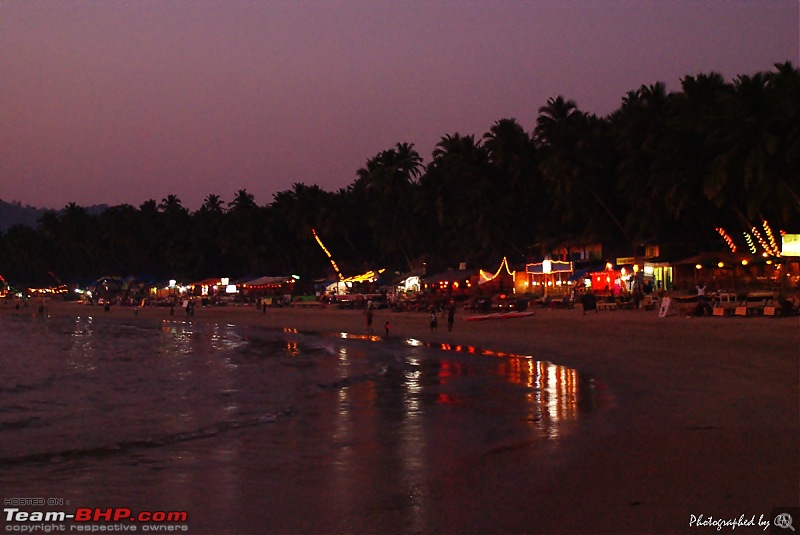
x=761 y=241
x=727 y=239
x=333 y=262
x=750 y=244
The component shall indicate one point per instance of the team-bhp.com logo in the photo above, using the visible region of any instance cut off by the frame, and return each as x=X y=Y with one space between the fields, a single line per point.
x=87 y=519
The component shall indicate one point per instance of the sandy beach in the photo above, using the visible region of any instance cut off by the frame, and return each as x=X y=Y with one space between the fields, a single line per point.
x=705 y=417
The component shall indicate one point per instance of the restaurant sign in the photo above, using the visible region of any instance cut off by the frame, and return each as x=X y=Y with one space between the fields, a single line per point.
x=625 y=260
x=791 y=245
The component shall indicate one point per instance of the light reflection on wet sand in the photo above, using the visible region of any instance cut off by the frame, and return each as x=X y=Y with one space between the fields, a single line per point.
x=402 y=442
x=390 y=445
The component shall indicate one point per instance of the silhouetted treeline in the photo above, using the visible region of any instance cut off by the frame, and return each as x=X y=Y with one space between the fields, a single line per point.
x=665 y=168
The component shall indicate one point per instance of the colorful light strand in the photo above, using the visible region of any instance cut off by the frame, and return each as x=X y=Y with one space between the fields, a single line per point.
x=749 y=240
x=761 y=241
x=486 y=277
x=771 y=237
x=333 y=263
x=727 y=239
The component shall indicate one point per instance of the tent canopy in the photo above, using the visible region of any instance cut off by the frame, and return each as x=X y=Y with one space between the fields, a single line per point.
x=270 y=281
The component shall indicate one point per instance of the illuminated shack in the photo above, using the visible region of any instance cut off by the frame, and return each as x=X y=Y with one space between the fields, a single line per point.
x=548 y=277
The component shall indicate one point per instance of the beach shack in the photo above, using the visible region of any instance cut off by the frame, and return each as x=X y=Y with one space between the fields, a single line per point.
x=549 y=277
x=452 y=282
x=503 y=280
x=716 y=271
x=208 y=287
x=268 y=286
x=607 y=282
x=364 y=283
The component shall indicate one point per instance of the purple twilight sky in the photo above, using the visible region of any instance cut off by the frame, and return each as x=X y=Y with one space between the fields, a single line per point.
x=122 y=101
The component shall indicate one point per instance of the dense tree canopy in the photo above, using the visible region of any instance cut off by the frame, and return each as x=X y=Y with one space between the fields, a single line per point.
x=664 y=167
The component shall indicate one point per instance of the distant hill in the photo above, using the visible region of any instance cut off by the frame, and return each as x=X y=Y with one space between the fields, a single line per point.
x=14 y=213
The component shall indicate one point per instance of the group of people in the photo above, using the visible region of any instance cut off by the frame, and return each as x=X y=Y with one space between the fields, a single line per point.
x=434 y=320
x=451 y=317
x=188 y=306
x=370 y=312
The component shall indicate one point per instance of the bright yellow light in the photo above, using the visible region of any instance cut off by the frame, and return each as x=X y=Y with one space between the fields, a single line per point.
x=745 y=262
x=721 y=264
x=486 y=277
x=369 y=276
x=698 y=266
x=319 y=241
x=636 y=268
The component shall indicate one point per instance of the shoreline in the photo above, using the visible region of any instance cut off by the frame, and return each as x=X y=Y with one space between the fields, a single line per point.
x=705 y=420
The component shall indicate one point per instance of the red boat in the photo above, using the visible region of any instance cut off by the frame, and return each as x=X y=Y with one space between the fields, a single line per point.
x=501 y=316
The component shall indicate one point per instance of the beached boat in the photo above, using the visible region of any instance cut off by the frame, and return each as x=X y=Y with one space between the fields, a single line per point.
x=501 y=316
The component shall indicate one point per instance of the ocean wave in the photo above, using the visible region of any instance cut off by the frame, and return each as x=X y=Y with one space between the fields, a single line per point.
x=168 y=439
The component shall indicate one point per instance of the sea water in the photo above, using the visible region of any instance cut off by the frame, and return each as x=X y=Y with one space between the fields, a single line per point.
x=248 y=429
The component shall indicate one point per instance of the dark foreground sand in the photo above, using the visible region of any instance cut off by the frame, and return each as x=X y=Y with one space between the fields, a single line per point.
x=706 y=416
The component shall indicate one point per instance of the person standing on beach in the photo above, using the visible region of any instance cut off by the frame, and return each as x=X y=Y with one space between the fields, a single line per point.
x=451 y=316
x=434 y=321
x=369 y=319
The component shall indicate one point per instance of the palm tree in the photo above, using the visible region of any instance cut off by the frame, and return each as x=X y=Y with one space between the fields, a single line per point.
x=388 y=184
x=640 y=132
x=121 y=252
x=784 y=85
x=213 y=204
x=243 y=238
x=176 y=225
x=208 y=237
x=697 y=116
x=150 y=233
x=24 y=256
x=552 y=118
x=242 y=201
x=77 y=236
x=292 y=215
x=171 y=204
x=516 y=179
x=748 y=173
x=510 y=149
x=574 y=150
x=470 y=209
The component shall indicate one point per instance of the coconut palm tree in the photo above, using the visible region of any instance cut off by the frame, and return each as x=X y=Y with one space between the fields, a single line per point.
x=213 y=204
x=176 y=225
x=516 y=178
x=469 y=205
x=748 y=173
x=574 y=151
x=387 y=184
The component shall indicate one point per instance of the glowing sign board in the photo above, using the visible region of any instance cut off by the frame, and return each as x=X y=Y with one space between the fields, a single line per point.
x=791 y=245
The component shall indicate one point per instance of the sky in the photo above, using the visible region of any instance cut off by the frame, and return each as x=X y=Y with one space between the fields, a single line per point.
x=118 y=102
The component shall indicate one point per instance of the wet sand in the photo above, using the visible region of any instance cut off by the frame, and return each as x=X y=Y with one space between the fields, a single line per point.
x=706 y=417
